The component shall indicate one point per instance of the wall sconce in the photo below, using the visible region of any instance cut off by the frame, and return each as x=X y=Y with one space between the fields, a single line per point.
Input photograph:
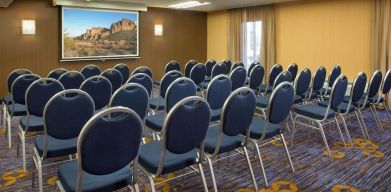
x=28 y=27
x=158 y=30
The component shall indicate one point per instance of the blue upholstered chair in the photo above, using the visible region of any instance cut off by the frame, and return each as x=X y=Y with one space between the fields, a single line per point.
x=197 y=74
x=278 y=109
x=238 y=77
x=228 y=65
x=384 y=91
x=316 y=85
x=56 y=73
x=319 y=114
x=217 y=69
x=233 y=130
x=144 y=80
x=334 y=74
x=64 y=116
x=107 y=151
x=178 y=89
x=256 y=77
x=143 y=69
x=18 y=107
x=188 y=67
x=36 y=97
x=252 y=65
x=125 y=71
x=71 y=79
x=236 y=65
x=157 y=103
x=170 y=66
x=274 y=72
x=90 y=70
x=217 y=92
x=100 y=90
x=184 y=131
x=293 y=69
x=115 y=78
x=302 y=85
x=209 y=66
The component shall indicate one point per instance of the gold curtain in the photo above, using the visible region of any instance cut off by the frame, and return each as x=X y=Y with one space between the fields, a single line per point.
x=381 y=37
x=236 y=20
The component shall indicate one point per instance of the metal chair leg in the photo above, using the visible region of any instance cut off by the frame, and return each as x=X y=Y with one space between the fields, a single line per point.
x=387 y=111
x=339 y=130
x=363 y=122
x=261 y=163
x=250 y=168
x=40 y=179
x=377 y=118
x=346 y=128
x=203 y=177
x=324 y=137
x=152 y=183
x=374 y=117
x=293 y=130
x=212 y=173
x=9 y=118
x=287 y=152
x=361 y=126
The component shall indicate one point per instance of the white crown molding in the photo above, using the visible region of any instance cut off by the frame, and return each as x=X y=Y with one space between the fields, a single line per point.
x=5 y=3
x=102 y=5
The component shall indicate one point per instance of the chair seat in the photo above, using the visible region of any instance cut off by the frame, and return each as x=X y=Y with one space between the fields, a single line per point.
x=67 y=175
x=149 y=158
x=376 y=98
x=155 y=103
x=207 y=79
x=298 y=99
x=262 y=101
x=266 y=88
x=7 y=99
x=314 y=111
x=256 y=128
x=228 y=143
x=215 y=114
x=18 y=109
x=56 y=147
x=199 y=88
x=34 y=123
x=314 y=95
x=361 y=102
x=326 y=91
x=204 y=84
x=155 y=122
x=156 y=83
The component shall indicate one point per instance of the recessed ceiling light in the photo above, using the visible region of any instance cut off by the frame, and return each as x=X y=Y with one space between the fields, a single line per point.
x=188 y=4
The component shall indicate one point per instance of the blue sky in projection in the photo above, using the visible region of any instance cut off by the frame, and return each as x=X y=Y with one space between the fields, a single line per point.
x=77 y=21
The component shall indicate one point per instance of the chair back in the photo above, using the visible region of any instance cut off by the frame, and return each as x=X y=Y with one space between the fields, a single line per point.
x=284 y=76
x=338 y=92
x=218 y=91
x=238 y=112
x=256 y=76
x=186 y=124
x=219 y=69
x=180 y=88
x=66 y=113
x=144 y=80
x=100 y=90
x=252 y=65
x=39 y=93
x=319 y=79
x=293 y=69
x=386 y=86
x=171 y=66
x=238 y=77
x=105 y=139
x=55 y=74
x=115 y=78
x=374 y=84
x=280 y=104
x=166 y=81
x=124 y=70
x=90 y=70
x=198 y=73
x=133 y=96
x=303 y=81
x=209 y=66
x=334 y=74
x=189 y=66
x=71 y=79
x=228 y=65
x=274 y=72
x=15 y=74
x=237 y=64
x=19 y=87
x=358 y=88
x=143 y=69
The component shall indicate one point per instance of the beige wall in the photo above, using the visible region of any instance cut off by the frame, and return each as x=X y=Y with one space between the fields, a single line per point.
x=313 y=33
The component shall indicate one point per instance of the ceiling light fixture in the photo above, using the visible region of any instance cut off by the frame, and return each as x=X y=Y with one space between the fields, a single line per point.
x=188 y=4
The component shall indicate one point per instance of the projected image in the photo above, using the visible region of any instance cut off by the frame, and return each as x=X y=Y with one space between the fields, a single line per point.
x=89 y=33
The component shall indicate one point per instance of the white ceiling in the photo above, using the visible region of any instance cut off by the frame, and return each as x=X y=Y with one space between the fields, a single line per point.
x=5 y=3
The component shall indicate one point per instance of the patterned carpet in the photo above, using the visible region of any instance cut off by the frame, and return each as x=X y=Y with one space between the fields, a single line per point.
x=365 y=166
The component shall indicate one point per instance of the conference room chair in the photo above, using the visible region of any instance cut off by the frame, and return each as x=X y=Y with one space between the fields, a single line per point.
x=100 y=90
x=256 y=77
x=385 y=89
x=125 y=71
x=143 y=69
x=293 y=69
x=334 y=74
x=322 y=115
x=217 y=69
x=133 y=96
x=189 y=66
x=316 y=85
x=115 y=78
x=90 y=70
x=107 y=151
x=64 y=116
x=238 y=77
x=197 y=74
x=71 y=79
x=144 y=80
x=274 y=72
x=209 y=66
x=232 y=132
x=252 y=65
x=236 y=65
x=178 y=89
x=302 y=86
x=170 y=66
x=272 y=126
x=157 y=103
x=56 y=73
x=217 y=92
x=184 y=131
x=36 y=97
x=228 y=65
x=17 y=107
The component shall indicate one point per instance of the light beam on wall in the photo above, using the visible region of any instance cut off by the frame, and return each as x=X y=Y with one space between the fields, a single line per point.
x=28 y=27
x=158 y=30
